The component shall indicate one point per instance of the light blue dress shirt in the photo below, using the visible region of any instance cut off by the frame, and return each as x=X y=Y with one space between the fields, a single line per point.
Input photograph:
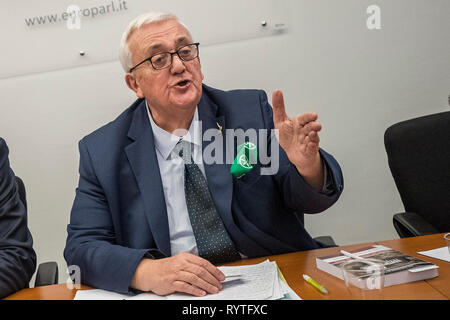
x=171 y=167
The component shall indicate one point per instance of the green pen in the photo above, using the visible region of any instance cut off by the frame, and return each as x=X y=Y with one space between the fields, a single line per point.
x=315 y=284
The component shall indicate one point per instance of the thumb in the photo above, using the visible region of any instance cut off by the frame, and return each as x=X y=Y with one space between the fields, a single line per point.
x=279 y=112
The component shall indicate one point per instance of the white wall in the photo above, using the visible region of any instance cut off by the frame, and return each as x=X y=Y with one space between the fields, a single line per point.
x=327 y=61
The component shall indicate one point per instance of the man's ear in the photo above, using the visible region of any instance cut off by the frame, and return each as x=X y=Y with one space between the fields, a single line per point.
x=133 y=85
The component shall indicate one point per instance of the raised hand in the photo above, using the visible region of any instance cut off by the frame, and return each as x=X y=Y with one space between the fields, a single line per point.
x=299 y=138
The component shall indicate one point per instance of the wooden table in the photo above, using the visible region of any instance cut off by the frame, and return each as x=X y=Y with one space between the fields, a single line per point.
x=293 y=265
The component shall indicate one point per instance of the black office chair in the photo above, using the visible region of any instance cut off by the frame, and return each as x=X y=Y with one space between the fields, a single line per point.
x=47 y=273
x=324 y=241
x=419 y=158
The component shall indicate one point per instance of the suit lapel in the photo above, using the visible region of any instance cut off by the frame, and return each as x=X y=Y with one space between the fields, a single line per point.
x=143 y=161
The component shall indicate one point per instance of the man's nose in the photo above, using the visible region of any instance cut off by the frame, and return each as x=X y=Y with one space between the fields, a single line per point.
x=177 y=64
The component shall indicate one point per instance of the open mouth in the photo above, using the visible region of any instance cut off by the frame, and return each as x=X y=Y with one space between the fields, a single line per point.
x=182 y=84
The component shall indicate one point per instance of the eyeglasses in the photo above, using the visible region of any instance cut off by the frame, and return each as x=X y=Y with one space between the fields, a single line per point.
x=164 y=60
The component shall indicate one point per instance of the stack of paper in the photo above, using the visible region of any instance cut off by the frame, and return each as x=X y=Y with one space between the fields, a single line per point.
x=440 y=253
x=254 y=282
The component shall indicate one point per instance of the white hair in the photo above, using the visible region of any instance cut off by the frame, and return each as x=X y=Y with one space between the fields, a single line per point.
x=143 y=19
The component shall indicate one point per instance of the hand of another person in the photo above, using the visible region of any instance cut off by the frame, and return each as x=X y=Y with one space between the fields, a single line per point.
x=184 y=272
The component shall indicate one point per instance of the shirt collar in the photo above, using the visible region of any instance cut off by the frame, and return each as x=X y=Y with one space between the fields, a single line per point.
x=165 y=141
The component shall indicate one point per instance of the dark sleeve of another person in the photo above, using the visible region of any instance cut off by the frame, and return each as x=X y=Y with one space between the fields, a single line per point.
x=17 y=257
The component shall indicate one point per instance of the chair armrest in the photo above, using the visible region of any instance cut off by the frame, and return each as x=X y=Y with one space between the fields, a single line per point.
x=47 y=274
x=325 y=241
x=410 y=224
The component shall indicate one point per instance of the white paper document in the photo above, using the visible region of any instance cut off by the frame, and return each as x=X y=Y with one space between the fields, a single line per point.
x=440 y=253
x=253 y=282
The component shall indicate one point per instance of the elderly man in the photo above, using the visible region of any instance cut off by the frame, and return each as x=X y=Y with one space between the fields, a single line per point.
x=17 y=257
x=150 y=214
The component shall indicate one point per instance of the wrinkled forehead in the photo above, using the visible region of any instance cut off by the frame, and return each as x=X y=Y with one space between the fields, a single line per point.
x=158 y=36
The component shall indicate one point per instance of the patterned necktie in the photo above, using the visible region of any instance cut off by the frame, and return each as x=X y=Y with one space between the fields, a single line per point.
x=212 y=239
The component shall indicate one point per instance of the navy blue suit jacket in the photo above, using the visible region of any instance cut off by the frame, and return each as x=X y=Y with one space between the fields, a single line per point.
x=119 y=213
x=17 y=257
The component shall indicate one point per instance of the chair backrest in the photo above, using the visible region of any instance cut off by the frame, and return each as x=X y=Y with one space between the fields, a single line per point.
x=419 y=158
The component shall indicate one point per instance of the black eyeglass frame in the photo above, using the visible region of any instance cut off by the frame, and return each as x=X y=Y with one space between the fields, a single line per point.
x=149 y=59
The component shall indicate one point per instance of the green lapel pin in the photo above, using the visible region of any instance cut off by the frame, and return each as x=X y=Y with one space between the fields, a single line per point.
x=246 y=158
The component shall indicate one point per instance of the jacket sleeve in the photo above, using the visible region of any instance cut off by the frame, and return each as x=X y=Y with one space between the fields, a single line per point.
x=17 y=257
x=297 y=194
x=91 y=242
